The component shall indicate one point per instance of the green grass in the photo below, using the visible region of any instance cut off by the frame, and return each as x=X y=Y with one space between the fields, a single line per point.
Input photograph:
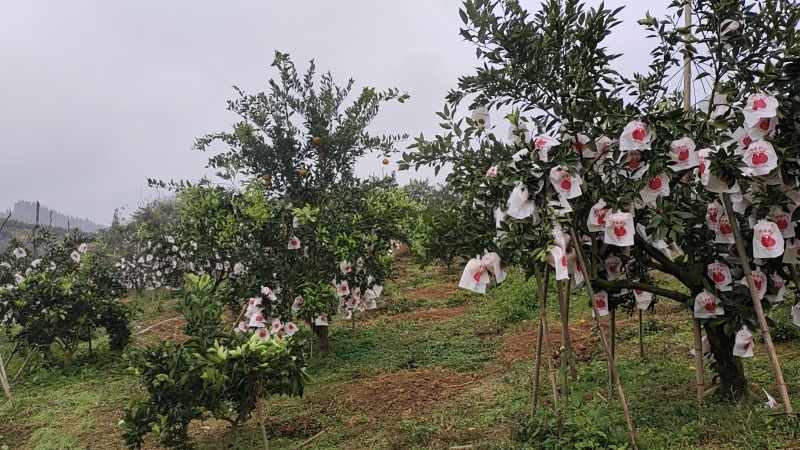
x=386 y=346
x=77 y=407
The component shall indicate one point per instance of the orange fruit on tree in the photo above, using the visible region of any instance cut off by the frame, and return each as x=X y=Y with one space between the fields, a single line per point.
x=303 y=172
x=316 y=140
x=385 y=161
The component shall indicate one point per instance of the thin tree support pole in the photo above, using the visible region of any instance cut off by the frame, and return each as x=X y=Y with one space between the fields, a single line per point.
x=687 y=107
x=698 y=361
x=564 y=336
x=261 y=424
x=606 y=346
x=641 y=335
x=538 y=358
x=762 y=320
x=4 y=381
x=24 y=363
x=547 y=348
x=537 y=370
x=573 y=371
x=613 y=333
x=687 y=63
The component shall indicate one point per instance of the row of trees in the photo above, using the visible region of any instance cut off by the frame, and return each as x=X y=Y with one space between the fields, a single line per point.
x=603 y=180
x=606 y=179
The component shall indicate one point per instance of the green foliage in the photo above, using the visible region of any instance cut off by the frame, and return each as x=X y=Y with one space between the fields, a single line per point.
x=432 y=197
x=442 y=235
x=589 y=422
x=202 y=312
x=515 y=300
x=301 y=134
x=302 y=210
x=217 y=373
x=572 y=116
x=64 y=295
x=781 y=328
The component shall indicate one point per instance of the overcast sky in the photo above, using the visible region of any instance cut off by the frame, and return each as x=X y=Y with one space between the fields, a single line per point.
x=97 y=96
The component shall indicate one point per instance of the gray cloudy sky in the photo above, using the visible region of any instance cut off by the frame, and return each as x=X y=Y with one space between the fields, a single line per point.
x=96 y=96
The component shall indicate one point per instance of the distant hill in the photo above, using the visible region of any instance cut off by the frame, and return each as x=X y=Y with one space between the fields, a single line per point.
x=25 y=211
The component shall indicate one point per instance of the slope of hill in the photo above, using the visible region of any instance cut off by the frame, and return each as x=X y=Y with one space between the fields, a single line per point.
x=25 y=211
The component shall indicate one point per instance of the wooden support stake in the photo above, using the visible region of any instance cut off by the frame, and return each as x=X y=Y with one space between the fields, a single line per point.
x=687 y=107
x=261 y=424
x=537 y=370
x=24 y=363
x=4 y=381
x=762 y=320
x=613 y=332
x=547 y=348
x=698 y=361
x=572 y=369
x=606 y=346
x=565 y=347
x=308 y=441
x=538 y=357
x=641 y=335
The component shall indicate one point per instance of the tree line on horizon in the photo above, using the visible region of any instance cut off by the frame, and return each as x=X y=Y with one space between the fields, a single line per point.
x=25 y=211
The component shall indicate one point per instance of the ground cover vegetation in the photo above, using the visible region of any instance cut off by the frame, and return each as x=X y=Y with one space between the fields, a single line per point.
x=547 y=295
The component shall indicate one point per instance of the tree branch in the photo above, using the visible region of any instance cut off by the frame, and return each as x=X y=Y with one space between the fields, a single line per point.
x=5 y=222
x=653 y=265
x=694 y=283
x=628 y=284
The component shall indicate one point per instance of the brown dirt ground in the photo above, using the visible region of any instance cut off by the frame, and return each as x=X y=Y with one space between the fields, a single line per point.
x=434 y=292
x=521 y=347
x=167 y=331
x=407 y=393
x=430 y=315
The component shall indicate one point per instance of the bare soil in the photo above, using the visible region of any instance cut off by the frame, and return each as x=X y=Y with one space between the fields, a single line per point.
x=435 y=292
x=405 y=393
x=430 y=315
x=522 y=346
x=164 y=329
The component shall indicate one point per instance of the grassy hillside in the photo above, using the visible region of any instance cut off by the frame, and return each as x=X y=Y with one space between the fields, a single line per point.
x=434 y=368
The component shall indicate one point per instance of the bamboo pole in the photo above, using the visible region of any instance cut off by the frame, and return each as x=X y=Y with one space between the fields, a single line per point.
x=613 y=332
x=687 y=63
x=537 y=370
x=762 y=320
x=698 y=361
x=4 y=381
x=606 y=346
x=547 y=348
x=573 y=371
x=641 y=336
x=24 y=363
x=308 y=441
x=261 y=424
x=538 y=358
x=565 y=352
x=687 y=107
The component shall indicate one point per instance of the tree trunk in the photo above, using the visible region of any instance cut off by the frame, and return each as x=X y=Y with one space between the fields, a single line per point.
x=322 y=338
x=732 y=382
